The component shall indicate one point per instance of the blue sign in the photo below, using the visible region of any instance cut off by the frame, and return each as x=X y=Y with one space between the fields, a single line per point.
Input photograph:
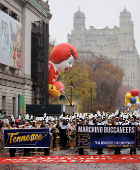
x=27 y=138
x=105 y=136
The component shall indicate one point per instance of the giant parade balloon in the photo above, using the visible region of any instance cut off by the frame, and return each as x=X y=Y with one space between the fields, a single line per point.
x=61 y=59
x=132 y=99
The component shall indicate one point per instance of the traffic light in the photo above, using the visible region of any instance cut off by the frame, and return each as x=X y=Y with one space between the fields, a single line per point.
x=62 y=97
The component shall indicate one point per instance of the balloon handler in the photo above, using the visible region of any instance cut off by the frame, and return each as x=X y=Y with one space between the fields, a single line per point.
x=61 y=58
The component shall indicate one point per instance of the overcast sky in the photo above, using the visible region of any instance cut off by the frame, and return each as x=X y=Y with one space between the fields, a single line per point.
x=98 y=13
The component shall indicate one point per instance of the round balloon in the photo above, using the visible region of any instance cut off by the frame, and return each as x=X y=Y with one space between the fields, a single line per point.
x=133 y=100
x=137 y=98
x=134 y=92
x=137 y=103
x=128 y=95
x=129 y=105
x=127 y=101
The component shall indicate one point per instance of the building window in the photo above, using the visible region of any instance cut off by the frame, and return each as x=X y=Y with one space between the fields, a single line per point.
x=78 y=28
x=4 y=102
x=14 y=106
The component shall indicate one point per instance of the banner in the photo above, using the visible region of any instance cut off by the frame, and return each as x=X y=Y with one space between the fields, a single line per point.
x=105 y=136
x=27 y=138
x=10 y=41
x=21 y=105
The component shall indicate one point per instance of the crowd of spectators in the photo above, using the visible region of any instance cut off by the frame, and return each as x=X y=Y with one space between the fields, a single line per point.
x=63 y=128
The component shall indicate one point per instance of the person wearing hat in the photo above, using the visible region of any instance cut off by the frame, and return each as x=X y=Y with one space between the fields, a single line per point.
x=109 y=121
x=52 y=130
x=104 y=120
x=133 y=122
x=77 y=121
x=92 y=121
x=2 y=134
x=46 y=150
x=86 y=122
x=124 y=122
x=71 y=134
x=80 y=121
x=98 y=123
x=21 y=125
x=117 y=122
x=63 y=126
x=27 y=150
x=12 y=151
x=26 y=125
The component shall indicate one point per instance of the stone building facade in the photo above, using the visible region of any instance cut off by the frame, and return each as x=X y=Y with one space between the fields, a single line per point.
x=117 y=44
x=16 y=81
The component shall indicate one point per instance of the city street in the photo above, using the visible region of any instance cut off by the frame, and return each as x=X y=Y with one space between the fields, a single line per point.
x=71 y=166
x=70 y=159
x=69 y=85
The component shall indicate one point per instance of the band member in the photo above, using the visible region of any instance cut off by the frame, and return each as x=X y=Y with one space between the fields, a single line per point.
x=98 y=123
x=117 y=122
x=63 y=126
x=133 y=122
x=71 y=134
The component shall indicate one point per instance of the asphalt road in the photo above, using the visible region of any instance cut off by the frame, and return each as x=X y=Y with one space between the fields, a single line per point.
x=69 y=166
x=72 y=166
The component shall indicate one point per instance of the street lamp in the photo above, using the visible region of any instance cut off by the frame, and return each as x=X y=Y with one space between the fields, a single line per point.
x=71 y=86
x=62 y=95
x=91 y=92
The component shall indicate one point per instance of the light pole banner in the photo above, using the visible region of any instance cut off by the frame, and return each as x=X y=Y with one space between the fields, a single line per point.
x=21 y=105
x=10 y=41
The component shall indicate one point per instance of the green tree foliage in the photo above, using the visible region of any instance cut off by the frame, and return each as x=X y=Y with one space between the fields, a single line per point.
x=50 y=48
x=100 y=74
x=82 y=85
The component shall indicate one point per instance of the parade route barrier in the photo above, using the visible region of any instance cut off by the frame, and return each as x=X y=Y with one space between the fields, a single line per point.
x=90 y=136
x=27 y=138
